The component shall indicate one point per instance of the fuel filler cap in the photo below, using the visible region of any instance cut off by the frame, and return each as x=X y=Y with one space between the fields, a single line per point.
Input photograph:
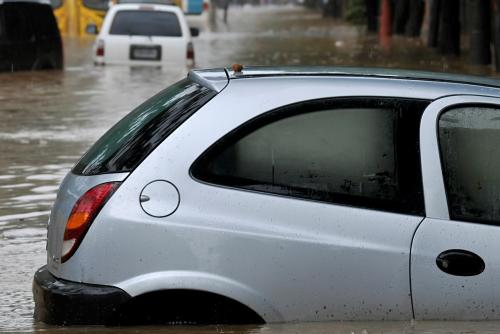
x=159 y=198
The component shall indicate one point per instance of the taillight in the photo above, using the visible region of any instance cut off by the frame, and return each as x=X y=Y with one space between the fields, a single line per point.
x=206 y=6
x=83 y=214
x=100 y=48
x=190 y=51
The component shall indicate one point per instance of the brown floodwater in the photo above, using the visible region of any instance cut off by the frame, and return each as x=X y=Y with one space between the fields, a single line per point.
x=49 y=118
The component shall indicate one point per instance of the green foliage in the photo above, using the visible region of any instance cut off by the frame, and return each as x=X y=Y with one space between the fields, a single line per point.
x=356 y=12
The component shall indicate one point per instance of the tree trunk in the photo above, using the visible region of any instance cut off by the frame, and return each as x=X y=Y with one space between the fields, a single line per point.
x=496 y=36
x=480 y=32
x=338 y=8
x=385 y=24
x=372 y=15
x=449 y=27
x=414 y=25
x=435 y=10
x=400 y=16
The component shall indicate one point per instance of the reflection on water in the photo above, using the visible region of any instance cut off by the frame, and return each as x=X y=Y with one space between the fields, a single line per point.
x=48 y=119
x=389 y=327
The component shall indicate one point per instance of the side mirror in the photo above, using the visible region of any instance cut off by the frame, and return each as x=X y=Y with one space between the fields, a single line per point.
x=91 y=29
x=194 y=32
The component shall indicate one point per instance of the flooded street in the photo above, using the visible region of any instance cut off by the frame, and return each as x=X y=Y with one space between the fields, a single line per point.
x=48 y=119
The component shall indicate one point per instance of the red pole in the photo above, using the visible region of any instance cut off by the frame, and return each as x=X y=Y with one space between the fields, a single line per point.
x=385 y=24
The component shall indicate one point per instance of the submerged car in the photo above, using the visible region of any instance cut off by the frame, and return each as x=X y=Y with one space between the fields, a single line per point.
x=29 y=36
x=284 y=194
x=144 y=34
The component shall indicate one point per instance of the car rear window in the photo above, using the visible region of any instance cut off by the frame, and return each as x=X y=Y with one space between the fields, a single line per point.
x=132 y=139
x=26 y=21
x=146 y=23
x=44 y=22
x=17 y=22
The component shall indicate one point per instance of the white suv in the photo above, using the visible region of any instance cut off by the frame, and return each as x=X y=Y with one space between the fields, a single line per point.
x=144 y=34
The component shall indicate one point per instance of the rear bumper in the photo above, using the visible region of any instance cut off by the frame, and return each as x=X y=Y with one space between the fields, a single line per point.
x=61 y=302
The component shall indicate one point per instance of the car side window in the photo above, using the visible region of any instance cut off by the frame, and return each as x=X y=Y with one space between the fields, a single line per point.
x=361 y=152
x=469 y=139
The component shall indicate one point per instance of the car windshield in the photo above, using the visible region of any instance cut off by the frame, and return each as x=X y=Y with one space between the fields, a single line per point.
x=146 y=23
x=96 y=4
x=126 y=144
x=56 y=3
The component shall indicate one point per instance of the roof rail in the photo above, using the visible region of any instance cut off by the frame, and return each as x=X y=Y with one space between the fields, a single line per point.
x=266 y=71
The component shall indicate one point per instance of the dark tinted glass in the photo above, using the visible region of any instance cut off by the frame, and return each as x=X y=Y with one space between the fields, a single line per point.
x=56 y=3
x=469 y=138
x=127 y=143
x=96 y=4
x=44 y=22
x=146 y=23
x=2 y=25
x=360 y=153
x=17 y=23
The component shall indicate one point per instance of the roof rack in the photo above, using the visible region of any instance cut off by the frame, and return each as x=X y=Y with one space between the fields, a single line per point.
x=265 y=71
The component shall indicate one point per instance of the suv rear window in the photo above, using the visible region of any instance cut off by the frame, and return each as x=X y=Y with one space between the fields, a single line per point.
x=126 y=144
x=146 y=23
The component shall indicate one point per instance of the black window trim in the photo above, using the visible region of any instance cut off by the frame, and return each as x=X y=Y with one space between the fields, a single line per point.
x=441 y=160
x=293 y=109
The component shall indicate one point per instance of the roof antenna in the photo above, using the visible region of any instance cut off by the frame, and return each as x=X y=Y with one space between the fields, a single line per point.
x=237 y=68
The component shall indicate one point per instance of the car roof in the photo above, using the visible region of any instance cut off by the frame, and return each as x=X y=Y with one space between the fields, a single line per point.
x=152 y=2
x=218 y=78
x=139 y=6
x=43 y=2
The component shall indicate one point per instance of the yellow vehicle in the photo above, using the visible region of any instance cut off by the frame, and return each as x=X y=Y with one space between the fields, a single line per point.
x=73 y=16
x=62 y=15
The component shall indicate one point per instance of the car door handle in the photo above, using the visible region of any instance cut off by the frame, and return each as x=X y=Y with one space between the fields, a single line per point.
x=459 y=262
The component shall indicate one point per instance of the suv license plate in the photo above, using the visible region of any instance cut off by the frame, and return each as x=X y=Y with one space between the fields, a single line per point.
x=145 y=53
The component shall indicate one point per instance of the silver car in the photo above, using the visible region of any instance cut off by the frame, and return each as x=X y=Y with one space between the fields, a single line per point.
x=253 y=195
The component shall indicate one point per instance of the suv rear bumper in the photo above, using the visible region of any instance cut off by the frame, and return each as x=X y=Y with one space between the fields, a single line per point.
x=61 y=302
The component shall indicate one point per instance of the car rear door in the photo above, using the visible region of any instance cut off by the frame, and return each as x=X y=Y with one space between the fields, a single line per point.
x=455 y=257
x=318 y=202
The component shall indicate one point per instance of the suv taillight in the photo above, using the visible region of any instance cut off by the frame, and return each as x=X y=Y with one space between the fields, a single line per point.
x=83 y=214
x=206 y=6
x=190 y=51
x=100 y=48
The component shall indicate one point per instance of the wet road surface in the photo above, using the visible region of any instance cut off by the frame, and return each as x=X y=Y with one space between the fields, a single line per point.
x=48 y=119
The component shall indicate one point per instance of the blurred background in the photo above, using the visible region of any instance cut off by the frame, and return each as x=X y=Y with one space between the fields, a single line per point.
x=54 y=102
